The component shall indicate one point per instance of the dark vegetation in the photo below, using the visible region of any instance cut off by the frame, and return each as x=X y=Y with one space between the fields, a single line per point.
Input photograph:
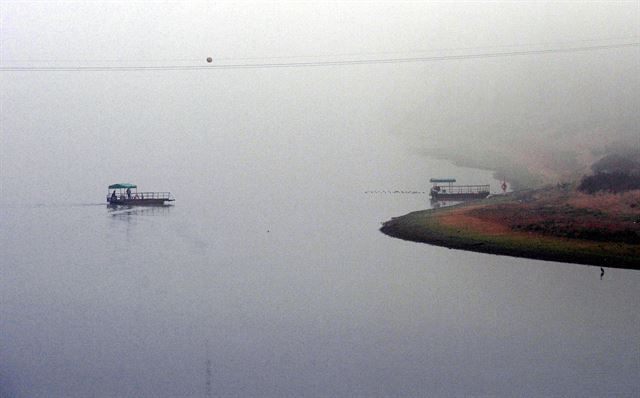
x=609 y=182
x=614 y=173
x=628 y=163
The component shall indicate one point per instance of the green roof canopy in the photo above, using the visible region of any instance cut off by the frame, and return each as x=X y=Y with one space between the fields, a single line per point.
x=122 y=186
x=442 y=180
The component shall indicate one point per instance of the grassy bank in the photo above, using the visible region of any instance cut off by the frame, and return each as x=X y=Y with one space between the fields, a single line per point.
x=555 y=224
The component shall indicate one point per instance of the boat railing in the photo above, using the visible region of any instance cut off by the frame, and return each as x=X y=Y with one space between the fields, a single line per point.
x=461 y=189
x=143 y=195
x=152 y=195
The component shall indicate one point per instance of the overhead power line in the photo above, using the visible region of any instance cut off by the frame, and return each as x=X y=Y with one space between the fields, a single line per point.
x=369 y=61
x=414 y=53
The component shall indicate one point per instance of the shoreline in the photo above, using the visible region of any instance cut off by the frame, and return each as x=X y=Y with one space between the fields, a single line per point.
x=473 y=226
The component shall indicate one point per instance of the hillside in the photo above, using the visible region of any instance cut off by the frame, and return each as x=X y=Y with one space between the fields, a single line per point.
x=555 y=223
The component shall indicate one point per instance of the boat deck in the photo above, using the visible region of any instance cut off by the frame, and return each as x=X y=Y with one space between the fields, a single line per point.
x=141 y=198
x=459 y=192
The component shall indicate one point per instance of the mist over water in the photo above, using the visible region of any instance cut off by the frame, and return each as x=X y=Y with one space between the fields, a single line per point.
x=269 y=277
x=287 y=288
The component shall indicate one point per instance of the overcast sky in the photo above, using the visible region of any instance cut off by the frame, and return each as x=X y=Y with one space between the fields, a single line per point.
x=52 y=121
x=133 y=31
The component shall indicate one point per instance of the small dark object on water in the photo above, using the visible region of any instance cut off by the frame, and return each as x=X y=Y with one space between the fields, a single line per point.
x=601 y=273
x=209 y=60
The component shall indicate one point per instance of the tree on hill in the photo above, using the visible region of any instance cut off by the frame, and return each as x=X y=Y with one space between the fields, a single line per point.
x=613 y=173
x=617 y=163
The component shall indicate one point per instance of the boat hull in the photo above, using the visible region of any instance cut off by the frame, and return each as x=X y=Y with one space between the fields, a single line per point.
x=458 y=196
x=138 y=202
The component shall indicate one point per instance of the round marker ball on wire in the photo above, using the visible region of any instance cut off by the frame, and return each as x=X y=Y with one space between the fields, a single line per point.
x=209 y=60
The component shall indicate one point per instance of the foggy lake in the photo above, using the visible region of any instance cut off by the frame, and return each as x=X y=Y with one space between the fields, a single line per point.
x=269 y=277
x=256 y=285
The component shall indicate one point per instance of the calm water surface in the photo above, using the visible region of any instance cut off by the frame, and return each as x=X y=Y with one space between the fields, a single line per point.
x=269 y=277
x=283 y=288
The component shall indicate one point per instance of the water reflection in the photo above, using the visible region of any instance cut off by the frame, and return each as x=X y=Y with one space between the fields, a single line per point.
x=129 y=220
x=436 y=204
x=127 y=212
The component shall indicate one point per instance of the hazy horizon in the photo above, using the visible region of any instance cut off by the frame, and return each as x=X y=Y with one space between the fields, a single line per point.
x=71 y=131
x=269 y=277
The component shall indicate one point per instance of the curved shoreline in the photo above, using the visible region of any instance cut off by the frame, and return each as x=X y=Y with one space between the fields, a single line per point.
x=460 y=227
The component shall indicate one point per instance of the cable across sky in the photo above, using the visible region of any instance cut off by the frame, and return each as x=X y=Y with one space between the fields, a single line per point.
x=326 y=63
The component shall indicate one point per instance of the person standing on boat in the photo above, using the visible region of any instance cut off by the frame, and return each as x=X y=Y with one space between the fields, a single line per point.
x=113 y=195
x=128 y=193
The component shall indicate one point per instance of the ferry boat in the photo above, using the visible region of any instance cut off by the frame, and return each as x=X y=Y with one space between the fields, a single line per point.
x=127 y=194
x=443 y=189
